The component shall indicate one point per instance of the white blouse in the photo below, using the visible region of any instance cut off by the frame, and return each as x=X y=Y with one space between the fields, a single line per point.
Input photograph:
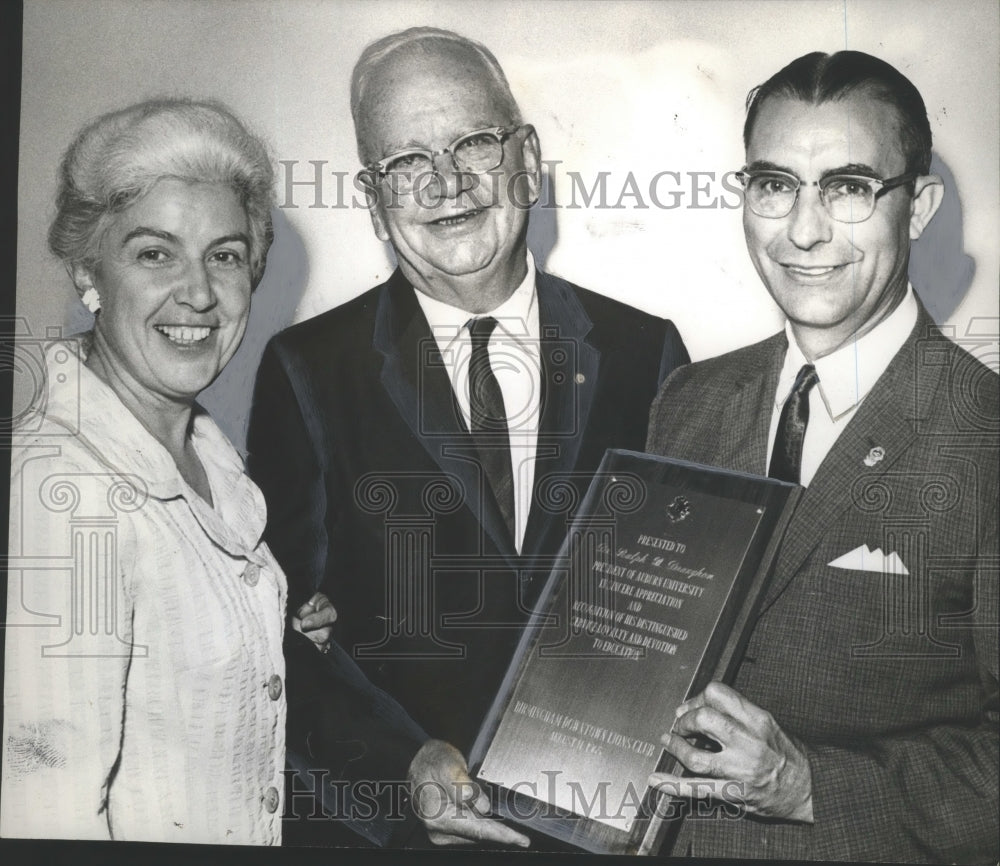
x=144 y=677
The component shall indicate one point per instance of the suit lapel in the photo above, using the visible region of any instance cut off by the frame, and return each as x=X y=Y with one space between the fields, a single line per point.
x=416 y=380
x=888 y=418
x=742 y=442
x=570 y=370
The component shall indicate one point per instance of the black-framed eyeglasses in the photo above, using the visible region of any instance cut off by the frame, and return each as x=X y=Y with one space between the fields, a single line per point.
x=848 y=198
x=475 y=152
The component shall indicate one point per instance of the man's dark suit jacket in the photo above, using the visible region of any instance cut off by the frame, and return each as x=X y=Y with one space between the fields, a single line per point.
x=889 y=682
x=374 y=492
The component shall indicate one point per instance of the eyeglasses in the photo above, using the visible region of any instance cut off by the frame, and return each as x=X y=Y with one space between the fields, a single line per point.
x=475 y=152
x=848 y=198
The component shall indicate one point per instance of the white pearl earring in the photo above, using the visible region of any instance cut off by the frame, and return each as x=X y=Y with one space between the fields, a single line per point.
x=91 y=300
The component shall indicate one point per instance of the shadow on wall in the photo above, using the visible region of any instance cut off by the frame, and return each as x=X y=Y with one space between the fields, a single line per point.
x=543 y=230
x=940 y=270
x=229 y=397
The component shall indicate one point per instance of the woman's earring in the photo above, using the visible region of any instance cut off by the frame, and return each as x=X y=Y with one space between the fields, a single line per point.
x=91 y=300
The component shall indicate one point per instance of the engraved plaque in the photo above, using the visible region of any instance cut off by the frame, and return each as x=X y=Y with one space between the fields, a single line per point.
x=662 y=569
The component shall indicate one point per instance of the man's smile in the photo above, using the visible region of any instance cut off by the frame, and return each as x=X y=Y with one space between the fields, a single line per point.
x=457 y=219
x=813 y=273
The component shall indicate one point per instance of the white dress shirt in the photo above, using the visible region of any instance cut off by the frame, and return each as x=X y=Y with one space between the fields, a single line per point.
x=515 y=357
x=144 y=676
x=846 y=376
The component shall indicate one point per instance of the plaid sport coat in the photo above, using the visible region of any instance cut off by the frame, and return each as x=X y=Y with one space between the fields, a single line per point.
x=888 y=680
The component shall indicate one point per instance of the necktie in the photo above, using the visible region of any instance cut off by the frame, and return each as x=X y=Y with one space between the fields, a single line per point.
x=489 y=419
x=786 y=458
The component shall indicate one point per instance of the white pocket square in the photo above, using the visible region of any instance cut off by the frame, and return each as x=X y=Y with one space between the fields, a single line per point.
x=864 y=559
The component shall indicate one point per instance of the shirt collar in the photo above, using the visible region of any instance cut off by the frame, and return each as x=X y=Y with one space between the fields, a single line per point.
x=78 y=400
x=849 y=373
x=514 y=316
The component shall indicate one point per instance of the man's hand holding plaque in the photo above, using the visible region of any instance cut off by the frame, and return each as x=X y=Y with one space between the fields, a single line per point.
x=454 y=808
x=756 y=761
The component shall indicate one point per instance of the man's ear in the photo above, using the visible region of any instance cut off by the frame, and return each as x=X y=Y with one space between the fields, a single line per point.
x=368 y=183
x=531 y=158
x=378 y=218
x=928 y=193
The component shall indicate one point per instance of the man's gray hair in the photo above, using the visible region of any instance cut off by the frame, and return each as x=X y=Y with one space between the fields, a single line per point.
x=427 y=40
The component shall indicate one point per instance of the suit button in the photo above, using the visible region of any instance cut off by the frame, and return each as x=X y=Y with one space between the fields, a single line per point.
x=271 y=800
x=274 y=687
x=251 y=574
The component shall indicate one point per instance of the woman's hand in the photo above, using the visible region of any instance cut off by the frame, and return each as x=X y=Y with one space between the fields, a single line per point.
x=314 y=619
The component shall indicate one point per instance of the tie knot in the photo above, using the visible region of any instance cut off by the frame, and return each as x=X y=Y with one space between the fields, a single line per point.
x=805 y=380
x=481 y=329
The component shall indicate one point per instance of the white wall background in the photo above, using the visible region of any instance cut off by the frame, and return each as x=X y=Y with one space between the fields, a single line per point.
x=618 y=87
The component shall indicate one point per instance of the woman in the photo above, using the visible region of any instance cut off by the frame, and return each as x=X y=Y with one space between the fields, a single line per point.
x=144 y=688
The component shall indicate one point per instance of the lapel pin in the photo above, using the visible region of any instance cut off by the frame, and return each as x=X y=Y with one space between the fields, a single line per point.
x=579 y=378
x=875 y=455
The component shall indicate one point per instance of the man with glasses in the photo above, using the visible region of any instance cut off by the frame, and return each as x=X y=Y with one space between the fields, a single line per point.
x=862 y=722
x=422 y=447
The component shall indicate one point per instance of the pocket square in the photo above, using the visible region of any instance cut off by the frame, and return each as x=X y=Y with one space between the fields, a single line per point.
x=864 y=559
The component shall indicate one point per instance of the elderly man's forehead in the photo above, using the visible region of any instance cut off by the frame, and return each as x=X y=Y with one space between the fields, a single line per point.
x=451 y=62
x=418 y=93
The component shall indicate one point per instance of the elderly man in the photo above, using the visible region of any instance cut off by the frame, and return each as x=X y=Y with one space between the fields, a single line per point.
x=862 y=723
x=422 y=446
